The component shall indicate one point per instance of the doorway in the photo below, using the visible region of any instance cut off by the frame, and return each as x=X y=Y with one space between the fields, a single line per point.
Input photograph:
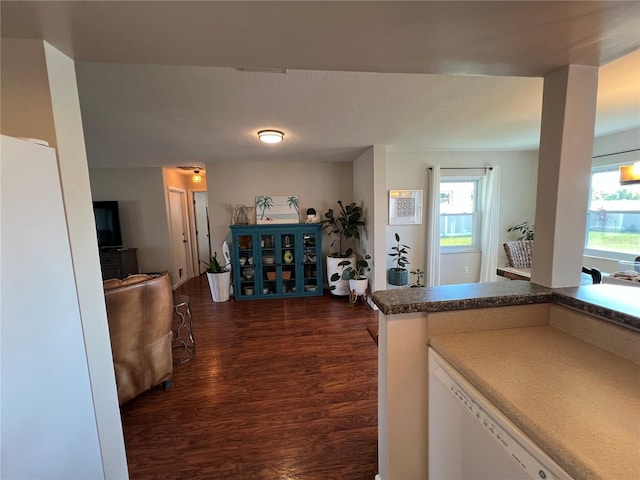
x=180 y=238
x=201 y=225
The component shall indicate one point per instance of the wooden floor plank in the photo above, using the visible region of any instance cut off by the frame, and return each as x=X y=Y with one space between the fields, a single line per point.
x=277 y=390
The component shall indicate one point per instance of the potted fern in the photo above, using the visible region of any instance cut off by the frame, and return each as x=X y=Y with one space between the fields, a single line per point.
x=342 y=225
x=398 y=275
x=219 y=279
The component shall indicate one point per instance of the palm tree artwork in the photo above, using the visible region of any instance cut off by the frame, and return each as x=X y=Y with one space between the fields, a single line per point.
x=264 y=203
x=293 y=201
x=277 y=209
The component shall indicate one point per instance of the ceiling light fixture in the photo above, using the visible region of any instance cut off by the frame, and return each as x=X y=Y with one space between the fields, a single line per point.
x=270 y=136
x=197 y=178
x=630 y=174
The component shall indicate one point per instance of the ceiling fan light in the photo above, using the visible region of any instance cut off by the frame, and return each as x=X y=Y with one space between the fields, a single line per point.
x=270 y=136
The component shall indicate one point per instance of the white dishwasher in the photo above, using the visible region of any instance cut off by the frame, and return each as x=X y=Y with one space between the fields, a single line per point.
x=470 y=439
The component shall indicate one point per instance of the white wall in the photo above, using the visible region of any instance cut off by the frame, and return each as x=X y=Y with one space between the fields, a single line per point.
x=141 y=197
x=369 y=192
x=26 y=104
x=518 y=175
x=39 y=99
x=318 y=185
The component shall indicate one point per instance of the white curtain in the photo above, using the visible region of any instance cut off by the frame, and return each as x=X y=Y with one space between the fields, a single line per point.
x=490 y=221
x=432 y=274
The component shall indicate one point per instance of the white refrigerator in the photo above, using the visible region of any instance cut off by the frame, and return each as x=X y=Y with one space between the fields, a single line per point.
x=47 y=418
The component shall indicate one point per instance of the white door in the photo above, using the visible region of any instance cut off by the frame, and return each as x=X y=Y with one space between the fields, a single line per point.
x=201 y=216
x=179 y=235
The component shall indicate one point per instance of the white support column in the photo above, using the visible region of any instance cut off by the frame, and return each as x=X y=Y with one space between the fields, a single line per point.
x=74 y=179
x=403 y=393
x=564 y=171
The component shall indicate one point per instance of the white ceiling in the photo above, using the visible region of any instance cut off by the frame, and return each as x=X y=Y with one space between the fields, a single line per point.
x=158 y=85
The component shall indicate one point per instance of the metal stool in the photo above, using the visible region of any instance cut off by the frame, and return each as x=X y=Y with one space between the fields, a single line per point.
x=184 y=343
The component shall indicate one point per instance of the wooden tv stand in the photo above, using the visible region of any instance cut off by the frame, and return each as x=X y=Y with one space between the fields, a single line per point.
x=118 y=262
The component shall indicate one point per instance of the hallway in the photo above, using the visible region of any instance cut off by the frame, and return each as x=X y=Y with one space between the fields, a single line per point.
x=278 y=389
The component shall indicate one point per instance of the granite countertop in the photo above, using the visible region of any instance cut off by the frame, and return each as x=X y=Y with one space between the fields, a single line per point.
x=618 y=304
x=615 y=303
x=579 y=403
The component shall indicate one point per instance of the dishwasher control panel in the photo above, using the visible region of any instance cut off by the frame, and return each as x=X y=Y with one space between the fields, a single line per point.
x=499 y=428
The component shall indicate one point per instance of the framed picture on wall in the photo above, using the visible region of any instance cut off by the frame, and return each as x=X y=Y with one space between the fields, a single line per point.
x=277 y=209
x=405 y=207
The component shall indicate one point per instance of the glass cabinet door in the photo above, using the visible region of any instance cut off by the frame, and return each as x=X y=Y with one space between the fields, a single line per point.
x=269 y=263
x=246 y=262
x=310 y=262
x=288 y=263
x=278 y=255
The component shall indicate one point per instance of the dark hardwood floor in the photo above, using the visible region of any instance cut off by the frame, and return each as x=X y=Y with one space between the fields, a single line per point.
x=278 y=389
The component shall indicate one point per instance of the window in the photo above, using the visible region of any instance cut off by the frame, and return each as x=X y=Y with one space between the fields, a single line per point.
x=613 y=218
x=459 y=214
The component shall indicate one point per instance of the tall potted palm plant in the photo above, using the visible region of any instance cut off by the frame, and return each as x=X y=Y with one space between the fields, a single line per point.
x=219 y=279
x=341 y=225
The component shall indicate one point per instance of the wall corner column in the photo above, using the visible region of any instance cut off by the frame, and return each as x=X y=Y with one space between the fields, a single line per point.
x=564 y=171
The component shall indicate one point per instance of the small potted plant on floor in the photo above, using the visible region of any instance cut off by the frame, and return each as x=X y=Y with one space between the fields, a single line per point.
x=398 y=275
x=219 y=279
x=343 y=224
x=419 y=275
x=355 y=275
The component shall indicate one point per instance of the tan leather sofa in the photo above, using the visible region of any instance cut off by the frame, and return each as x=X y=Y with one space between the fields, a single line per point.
x=139 y=312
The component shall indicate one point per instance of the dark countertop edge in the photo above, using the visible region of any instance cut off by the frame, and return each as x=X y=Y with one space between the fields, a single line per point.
x=600 y=311
x=536 y=294
x=450 y=305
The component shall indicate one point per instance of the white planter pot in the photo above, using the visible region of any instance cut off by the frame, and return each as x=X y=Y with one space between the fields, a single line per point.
x=219 y=284
x=359 y=286
x=341 y=286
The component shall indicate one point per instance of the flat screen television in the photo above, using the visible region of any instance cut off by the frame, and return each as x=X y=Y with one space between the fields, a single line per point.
x=107 y=224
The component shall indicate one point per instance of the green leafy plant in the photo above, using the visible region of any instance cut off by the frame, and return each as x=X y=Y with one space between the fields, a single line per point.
x=419 y=274
x=350 y=273
x=399 y=254
x=524 y=229
x=345 y=224
x=213 y=266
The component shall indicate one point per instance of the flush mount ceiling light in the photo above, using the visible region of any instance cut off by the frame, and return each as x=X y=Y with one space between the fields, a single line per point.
x=630 y=174
x=270 y=136
x=196 y=178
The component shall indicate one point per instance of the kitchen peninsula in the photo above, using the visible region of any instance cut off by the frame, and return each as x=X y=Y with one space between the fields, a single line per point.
x=524 y=326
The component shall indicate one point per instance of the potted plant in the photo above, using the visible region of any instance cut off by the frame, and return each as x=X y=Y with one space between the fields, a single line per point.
x=524 y=229
x=343 y=224
x=355 y=275
x=398 y=275
x=219 y=279
x=419 y=274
